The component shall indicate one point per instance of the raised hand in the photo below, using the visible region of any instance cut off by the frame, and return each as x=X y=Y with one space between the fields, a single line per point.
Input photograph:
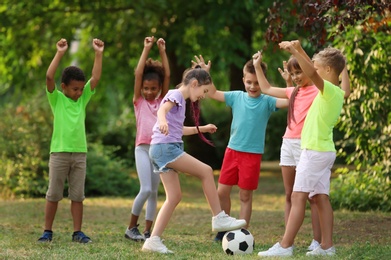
x=62 y=45
x=284 y=73
x=161 y=44
x=98 y=45
x=148 y=41
x=257 y=58
x=201 y=62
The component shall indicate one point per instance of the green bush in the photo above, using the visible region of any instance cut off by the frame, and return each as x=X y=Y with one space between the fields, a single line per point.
x=107 y=175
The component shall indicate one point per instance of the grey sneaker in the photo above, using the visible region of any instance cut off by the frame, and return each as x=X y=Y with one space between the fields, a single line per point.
x=320 y=251
x=314 y=245
x=154 y=244
x=223 y=222
x=277 y=250
x=147 y=234
x=134 y=234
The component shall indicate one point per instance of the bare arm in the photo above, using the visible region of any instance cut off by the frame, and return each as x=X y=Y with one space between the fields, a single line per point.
x=266 y=88
x=192 y=130
x=285 y=74
x=166 y=66
x=62 y=47
x=282 y=102
x=345 y=82
x=138 y=73
x=98 y=46
x=304 y=62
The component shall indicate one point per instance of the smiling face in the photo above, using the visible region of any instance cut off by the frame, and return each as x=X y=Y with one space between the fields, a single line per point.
x=73 y=90
x=251 y=85
x=150 y=89
x=198 y=92
x=300 y=78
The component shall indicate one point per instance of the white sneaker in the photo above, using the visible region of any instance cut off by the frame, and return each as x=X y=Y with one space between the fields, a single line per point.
x=314 y=245
x=277 y=250
x=223 y=222
x=154 y=244
x=320 y=251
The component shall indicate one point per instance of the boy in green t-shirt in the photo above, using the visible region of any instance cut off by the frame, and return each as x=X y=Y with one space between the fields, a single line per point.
x=318 y=154
x=68 y=148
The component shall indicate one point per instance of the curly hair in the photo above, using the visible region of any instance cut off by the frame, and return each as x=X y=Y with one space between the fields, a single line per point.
x=153 y=70
x=72 y=73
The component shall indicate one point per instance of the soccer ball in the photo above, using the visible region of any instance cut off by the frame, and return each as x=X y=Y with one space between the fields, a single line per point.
x=238 y=242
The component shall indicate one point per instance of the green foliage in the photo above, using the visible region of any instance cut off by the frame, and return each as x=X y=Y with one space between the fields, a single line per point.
x=108 y=175
x=24 y=145
x=366 y=122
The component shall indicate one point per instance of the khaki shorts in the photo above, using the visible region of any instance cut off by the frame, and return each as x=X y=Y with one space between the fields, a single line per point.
x=70 y=167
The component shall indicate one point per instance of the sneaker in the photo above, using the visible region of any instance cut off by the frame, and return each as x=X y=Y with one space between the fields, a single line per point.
x=314 y=245
x=223 y=222
x=277 y=250
x=320 y=251
x=134 y=234
x=46 y=236
x=147 y=234
x=80 y=237
x=154 y=244
x=219 y=236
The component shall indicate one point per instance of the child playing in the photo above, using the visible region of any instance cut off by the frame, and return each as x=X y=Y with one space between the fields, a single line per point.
x=152 y=80
x=169 y=158
x=243 y=155
x=68 y=149
x=318 y=155
x=300 y=100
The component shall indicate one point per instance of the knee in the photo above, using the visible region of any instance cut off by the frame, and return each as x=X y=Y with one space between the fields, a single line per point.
x=145 y=193
x=174 y=199
x=245 y=197
x=288 y=197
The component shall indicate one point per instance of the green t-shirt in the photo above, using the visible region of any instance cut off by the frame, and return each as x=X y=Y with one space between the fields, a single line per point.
x=69 y=133
x=317 y=133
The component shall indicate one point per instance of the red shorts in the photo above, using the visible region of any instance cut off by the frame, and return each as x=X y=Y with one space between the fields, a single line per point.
x=240 y=168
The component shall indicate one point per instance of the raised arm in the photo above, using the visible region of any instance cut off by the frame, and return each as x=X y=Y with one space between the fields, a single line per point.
x=62 y=47
x=192 y=130
x=345 y=82
x=266 y=88
x=166 y=66
x=138 y=73
x=285 y=74
x=98 y=46
x=305 y=63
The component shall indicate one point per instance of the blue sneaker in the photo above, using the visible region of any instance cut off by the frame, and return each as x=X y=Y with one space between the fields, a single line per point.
x=80 y=237
x=46 y=236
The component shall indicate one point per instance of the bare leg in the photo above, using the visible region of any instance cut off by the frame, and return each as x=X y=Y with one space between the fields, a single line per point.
x=204 y=172
x=172 y=188
x=224 y=192
x=326 y=218
x=77 y=215
x=50 y=213
x=148 y=225
x=296 y=217
x=315 y=221
x=246 y=205
x=288 y=177
x=133 y=221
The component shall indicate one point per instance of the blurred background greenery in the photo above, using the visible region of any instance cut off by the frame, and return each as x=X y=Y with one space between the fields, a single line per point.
x=227 y=32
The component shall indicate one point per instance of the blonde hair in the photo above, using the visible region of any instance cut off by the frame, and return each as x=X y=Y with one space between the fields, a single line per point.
x=331 y=57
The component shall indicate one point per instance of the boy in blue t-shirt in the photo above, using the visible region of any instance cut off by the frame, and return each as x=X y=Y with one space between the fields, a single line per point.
x=242 y=159
x=68 y=146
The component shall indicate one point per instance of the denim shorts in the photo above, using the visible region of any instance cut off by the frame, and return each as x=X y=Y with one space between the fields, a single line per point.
x=163 y=154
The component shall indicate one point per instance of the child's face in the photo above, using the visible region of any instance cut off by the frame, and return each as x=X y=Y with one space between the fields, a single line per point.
x=251 y=85
x=199 y=92
x=322 y=70
x=73 y=90
x=150 y=89
x=299 y=78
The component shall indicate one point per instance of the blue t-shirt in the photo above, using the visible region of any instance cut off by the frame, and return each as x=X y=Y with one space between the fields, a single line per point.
x=249 y=120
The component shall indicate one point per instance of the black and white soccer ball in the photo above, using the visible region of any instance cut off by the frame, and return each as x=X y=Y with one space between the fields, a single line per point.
x=238 y=242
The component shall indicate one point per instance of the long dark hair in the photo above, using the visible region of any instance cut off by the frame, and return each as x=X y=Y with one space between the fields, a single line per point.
x=292 y=64
x=203 y=78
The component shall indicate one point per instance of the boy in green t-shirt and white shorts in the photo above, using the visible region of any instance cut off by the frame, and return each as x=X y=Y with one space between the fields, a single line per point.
x=68 y=148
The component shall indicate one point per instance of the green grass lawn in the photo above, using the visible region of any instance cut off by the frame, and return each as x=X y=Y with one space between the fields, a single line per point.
x=357 y=235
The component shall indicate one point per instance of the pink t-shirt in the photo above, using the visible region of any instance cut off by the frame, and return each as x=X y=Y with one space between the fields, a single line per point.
x=146 y=116
x=303 y=101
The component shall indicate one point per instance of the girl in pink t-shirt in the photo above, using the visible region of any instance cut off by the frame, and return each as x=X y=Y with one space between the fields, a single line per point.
x=152 y=80
x=300 y=100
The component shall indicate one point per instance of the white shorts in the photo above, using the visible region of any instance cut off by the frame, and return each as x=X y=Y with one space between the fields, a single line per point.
x=290 y=152
x=313 y=172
